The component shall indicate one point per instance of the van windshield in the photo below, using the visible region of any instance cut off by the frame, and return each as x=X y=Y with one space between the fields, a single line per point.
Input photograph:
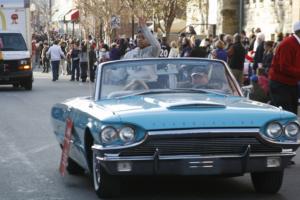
x=12 y=42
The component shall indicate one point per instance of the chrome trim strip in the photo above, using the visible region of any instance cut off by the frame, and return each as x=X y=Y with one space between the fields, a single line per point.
x=195 y=131
x=98 y=82
x=184 y=157
x=273 y=154
x=129 y=158
x=194 y=166
x=207 y=162
x=207 y=166
x=196 y=162
x=201 y=162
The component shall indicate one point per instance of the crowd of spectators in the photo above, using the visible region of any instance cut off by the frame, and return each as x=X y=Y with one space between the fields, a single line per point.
x=248 y=57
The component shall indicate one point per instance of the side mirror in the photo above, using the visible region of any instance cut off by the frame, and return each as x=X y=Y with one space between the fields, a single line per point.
x=247 y=90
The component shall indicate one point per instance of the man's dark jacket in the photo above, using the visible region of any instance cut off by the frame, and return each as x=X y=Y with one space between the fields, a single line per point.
x=236 y=55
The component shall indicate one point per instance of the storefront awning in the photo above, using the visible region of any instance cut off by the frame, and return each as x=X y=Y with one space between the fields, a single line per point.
x=73 y=15
x=58 y=15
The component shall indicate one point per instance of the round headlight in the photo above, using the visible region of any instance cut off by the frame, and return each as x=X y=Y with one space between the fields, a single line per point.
x=109 y=134
x=126 y=134
x=274 y=130
x=292 y=129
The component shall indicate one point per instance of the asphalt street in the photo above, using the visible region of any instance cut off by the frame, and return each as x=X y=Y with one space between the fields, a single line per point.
x=30 y=155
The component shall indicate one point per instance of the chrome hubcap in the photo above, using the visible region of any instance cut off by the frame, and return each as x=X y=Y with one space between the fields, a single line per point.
x=96 y=173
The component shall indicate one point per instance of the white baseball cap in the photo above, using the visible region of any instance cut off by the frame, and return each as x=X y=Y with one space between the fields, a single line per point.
x=296 y=26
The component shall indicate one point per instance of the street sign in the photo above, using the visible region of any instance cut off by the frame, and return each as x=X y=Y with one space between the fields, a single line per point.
x=66 y=147
x=115 y=22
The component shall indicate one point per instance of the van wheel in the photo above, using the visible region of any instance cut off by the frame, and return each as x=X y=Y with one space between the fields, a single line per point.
x=267 y=182
x=16 y=85
x=27 y=84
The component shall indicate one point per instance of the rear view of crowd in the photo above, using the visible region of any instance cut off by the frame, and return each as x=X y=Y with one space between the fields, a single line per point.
x=66 y=56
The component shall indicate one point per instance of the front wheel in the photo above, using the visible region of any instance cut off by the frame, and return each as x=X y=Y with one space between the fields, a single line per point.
x=267 y=182
x=105 y=185
x=73 y=168
x=16 y=85
x=27 y=84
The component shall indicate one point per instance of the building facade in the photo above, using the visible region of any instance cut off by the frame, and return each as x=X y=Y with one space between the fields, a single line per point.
x=271 y=16
x=228 y=16
x=197 y=16
x=201 y=14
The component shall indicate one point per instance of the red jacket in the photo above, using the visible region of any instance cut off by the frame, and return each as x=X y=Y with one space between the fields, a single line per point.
x=285 y=67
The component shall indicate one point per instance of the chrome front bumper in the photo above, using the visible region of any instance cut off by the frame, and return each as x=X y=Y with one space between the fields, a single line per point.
x=192 y=164
x=15 y=77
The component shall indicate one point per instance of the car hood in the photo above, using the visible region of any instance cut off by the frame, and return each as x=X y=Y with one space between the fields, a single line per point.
x=173 y=111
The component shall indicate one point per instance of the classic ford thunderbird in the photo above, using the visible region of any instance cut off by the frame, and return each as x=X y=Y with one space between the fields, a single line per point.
x=174 y=117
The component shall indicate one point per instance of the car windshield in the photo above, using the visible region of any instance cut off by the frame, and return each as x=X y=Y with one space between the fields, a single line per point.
x=141 y=77
x=12 y=42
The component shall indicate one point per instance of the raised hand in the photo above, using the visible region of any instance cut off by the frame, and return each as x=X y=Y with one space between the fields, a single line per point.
x=142 y=21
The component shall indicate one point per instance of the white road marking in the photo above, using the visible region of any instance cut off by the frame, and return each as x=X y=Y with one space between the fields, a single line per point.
x=32 y=151
x=20 y=158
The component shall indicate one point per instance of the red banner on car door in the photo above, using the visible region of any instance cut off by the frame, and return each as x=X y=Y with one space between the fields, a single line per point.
x=66 y=147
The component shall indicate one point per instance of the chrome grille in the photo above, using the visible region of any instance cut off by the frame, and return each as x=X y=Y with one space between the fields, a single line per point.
x=199 y=146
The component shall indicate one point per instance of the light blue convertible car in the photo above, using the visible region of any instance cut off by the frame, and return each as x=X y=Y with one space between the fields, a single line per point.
x=174 y=117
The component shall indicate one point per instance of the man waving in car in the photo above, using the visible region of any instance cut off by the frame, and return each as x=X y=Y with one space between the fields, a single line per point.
x=147 y=44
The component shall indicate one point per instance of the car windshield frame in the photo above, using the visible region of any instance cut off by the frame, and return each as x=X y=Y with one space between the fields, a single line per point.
x=235 y=89
x=12 y=42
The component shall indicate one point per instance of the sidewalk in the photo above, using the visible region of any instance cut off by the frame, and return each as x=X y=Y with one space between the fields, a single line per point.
x=39 y=72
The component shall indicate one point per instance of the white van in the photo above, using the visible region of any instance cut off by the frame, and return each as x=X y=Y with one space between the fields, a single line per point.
x=15 y=43
x=15 y=65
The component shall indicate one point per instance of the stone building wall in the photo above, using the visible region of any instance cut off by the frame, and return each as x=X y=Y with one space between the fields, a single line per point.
x=272 y=16
x=228 y=16
x=296 y=11
x=197 y=16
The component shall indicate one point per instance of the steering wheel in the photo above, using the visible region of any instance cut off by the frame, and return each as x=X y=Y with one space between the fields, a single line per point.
x=137 y=85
